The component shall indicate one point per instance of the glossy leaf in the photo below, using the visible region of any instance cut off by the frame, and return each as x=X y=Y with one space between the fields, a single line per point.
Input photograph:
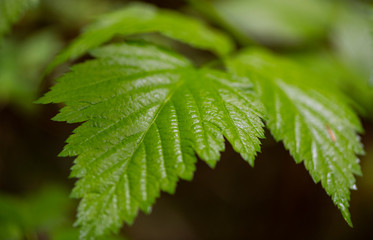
x=142 y=18
x=146 y=112
x=312 y=118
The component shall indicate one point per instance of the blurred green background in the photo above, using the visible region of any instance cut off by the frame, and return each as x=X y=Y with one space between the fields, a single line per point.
x=276 y=199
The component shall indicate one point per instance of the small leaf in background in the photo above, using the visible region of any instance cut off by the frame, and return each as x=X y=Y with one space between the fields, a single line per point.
x=273 y=22
x=41 y=212
x=11 y=11
x=45 y=214
x=142 y=18
x=83 y=12
x=21 y=65
x=11 y=218
x=352 y=37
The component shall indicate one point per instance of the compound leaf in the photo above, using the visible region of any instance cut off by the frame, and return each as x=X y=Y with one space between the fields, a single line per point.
x=143 y=18
x=146 y=111
x=311 y=117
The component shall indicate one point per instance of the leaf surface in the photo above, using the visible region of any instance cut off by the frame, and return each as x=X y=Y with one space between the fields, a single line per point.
x=311 y=117
x=146 y=111
x=143 y=18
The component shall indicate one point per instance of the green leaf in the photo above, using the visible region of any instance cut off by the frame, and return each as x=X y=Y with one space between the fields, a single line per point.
x=21 y=63
x=353 y=38
x=311 y=117
x=42 y=212
x=351 y=81
x=142 y=18
x=11 y=11
x=146 y=112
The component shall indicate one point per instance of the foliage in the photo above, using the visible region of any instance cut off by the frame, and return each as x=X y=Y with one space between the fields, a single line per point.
x=285 y=22
x=311 y=117
x=44 y=212
x=11 y=11
x=20 y=66
x=148 y=112
x=141 y=18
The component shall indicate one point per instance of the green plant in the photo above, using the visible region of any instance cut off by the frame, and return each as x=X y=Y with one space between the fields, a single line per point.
x=11 y=11
x=148 y=111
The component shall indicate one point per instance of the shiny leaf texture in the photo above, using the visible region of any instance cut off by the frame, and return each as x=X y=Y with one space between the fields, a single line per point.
x=312 y=118
x=11 y=11
x=146 y=112
x=140 y=18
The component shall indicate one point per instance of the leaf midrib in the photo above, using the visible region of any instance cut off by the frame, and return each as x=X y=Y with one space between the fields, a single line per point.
x=141 y=139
